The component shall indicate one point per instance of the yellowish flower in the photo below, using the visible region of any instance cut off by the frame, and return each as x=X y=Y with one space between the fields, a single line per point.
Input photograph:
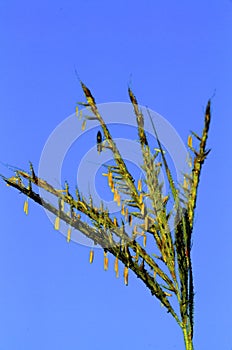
x=106 y=261
x=139 y=185
x=77 y=111
x=144 y=240
x=25 y=207
x=83 y=125
x=110 y=179
x=118 y=199
x=91 y=256
x=69 y=235
x=116 y=267
x=165 y=199
x=190 y=141
x=57 y=223
x=125 y=275
x=115 y=195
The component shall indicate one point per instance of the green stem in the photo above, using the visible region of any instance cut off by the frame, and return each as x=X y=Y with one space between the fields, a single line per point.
x=187 y=339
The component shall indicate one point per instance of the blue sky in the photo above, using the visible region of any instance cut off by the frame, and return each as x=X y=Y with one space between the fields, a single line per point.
x=176 y=55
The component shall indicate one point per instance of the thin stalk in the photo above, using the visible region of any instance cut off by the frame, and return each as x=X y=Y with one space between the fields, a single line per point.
x=187 y=339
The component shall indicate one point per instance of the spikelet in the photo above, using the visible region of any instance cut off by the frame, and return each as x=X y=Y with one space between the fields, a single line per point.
x=91 y=256
x=144 y=240
x=57 y=223
x=116 y=267
x=154 y=274
x=76 y=111
x=115 y=222
x=140 y=197
x=190 y=141
x=83 y=125
x=106 y=261
x=125 y=275
x=110 y=179
x=139 y=185
x=118 y=199
x=123 y=209
x=165 y=199
x=115 y=195
x=88 y=95
x=133 y=99
x=69 y=235
x=25 y=207
x=90 y=100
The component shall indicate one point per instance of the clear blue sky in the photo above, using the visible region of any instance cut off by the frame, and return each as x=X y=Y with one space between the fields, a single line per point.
x=177 y=55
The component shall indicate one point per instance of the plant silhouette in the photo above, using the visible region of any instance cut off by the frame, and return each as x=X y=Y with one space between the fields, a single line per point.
x=168 y=275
